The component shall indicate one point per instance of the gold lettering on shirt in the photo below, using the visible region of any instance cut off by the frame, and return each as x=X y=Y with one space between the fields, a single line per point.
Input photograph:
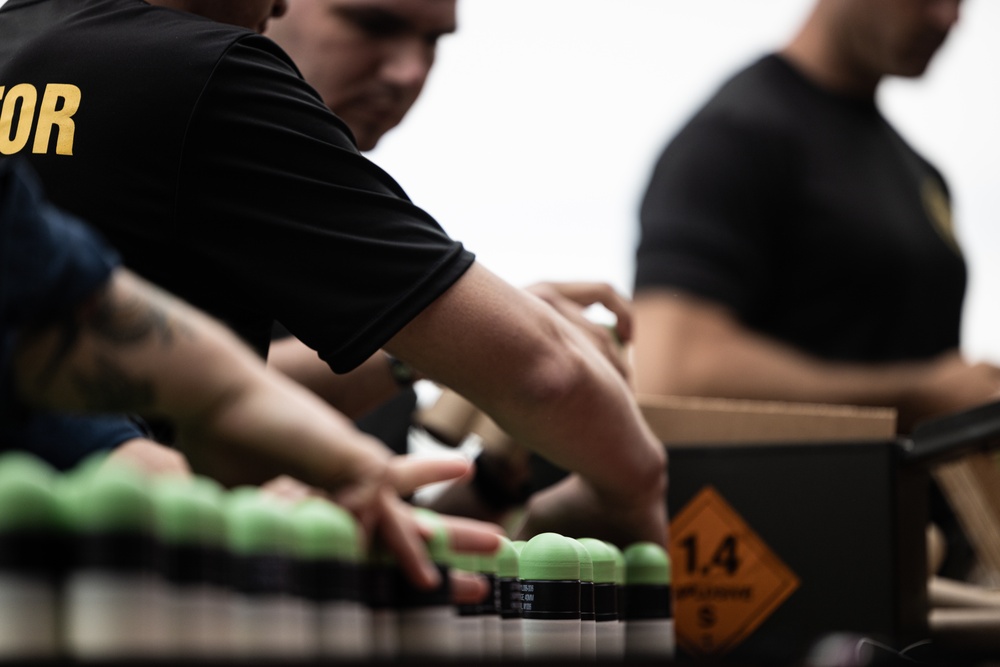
x=19 y=110
x=939 y=211
x=16 y=116
x=60 y=102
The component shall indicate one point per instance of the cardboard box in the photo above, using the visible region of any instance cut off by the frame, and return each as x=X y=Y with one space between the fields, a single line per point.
x=791 y=522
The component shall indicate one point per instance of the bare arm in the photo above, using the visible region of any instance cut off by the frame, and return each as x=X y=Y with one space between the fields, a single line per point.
x=354 y=394
x=571 y=300
x=133 y=347
x=547 y=386
x=689 y=346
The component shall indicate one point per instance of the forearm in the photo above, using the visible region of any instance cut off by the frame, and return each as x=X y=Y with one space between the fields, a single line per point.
x=540 y=380
x=354 y=394
x=688 y=346
x=136 y=348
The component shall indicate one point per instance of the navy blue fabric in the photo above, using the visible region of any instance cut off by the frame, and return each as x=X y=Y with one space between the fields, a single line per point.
x=49 y=261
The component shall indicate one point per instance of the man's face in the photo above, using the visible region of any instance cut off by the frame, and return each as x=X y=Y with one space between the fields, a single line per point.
x=899 y=37
x=368 y=59
x=253 y=14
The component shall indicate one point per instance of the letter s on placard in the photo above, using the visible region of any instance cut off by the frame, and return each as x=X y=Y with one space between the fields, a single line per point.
x=18 y=111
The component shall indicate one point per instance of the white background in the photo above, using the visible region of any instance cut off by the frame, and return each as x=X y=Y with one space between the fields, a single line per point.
x=540 y=124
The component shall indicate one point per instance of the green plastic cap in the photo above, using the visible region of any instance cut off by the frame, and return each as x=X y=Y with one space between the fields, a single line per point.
x=257 y=524
x=603 y=560
x=550 y=557
x=507 y=559
x=323 y=530
x=109 y=499
x=464 y=561
x=487 y=563
x=182 y=513
x=438 y=543
x=647 y=563
x=20 y=465
x=586 y=564
x=619 y=557
x=27 y=495
x=214 y=514
x=518 y=545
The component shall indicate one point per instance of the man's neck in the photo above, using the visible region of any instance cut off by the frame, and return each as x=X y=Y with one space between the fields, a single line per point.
x=816 y=52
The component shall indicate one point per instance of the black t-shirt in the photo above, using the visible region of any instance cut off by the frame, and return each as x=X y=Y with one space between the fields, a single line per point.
x=217 y=172
x=808 y=215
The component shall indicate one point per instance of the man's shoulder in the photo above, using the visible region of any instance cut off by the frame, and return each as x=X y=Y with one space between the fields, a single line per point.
x=761 y=93
x=116 y=30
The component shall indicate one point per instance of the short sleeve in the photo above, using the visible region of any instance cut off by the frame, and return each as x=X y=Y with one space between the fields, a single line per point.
x=281 y=201
x=66 y=440
x=712 y=210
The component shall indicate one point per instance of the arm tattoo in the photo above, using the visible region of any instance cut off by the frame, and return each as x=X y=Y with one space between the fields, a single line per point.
x=110 y=387
x=116 y=321
x=131 y=320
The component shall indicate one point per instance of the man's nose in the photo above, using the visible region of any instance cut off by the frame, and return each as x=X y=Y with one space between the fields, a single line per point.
x=944 y=13
x=408 y=62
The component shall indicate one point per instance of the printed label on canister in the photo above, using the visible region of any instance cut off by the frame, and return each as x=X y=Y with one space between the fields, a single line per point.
x=510 y=597
x=550 y=599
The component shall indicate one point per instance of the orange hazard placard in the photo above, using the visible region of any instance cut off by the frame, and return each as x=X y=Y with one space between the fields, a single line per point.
x=726 y=581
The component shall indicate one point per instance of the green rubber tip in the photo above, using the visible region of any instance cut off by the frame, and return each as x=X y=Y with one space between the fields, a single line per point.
x=619 y=557
x=488 y=563
x=183 y=515
x=586 y=563
x=109 y=499
x=438 y=544
x=603 y=560
x=507 y=559
x=20 y=465
x=256 y=524
x=647 y=563
x=464 y=561
x=322 y=530
x=28 y=498
x=549 y=557
x=518 y=545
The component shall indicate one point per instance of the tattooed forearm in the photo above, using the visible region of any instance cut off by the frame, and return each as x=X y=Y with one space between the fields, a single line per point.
x=108 y=386
x=130 y=319
x=120 y=318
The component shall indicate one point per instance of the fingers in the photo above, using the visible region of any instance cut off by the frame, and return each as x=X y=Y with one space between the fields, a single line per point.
x=408 y=473
x=467 y=535
x=399 y=532
x=151 y=458
x=585 y=294
x=288 y=489
x=467 y=588
x=570 y=300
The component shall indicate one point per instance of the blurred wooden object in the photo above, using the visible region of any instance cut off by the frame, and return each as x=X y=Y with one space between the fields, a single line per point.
x=949 y=593
x=449 y=420
x=687 y=420
x=970 y=629
x=971 y=485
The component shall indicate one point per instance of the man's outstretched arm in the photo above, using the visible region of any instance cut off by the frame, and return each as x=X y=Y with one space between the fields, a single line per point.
x=131 y=346
x=547 y=386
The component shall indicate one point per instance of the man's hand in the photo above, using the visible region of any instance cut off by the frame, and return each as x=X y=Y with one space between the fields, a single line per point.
x=947 y=384
x=571 y=300
x=573 y=508
x=375 y=500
